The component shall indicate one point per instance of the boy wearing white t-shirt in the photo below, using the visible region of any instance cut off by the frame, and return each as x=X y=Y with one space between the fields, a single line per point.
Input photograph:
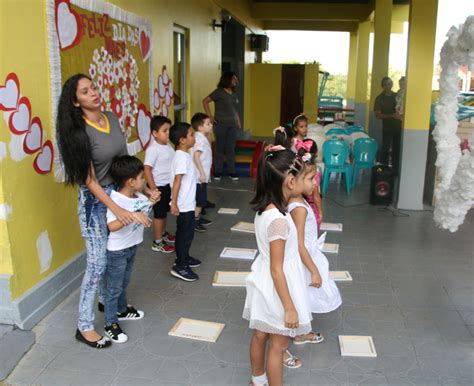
x=202 y=157
x=183 y=200
x=127 y=172
x=158 y=157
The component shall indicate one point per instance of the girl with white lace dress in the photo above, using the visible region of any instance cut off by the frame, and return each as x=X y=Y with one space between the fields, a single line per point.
x=324 y=297
x=277 y=304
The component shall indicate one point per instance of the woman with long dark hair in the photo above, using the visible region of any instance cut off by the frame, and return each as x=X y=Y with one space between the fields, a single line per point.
x=226 y=122
x=88 y=140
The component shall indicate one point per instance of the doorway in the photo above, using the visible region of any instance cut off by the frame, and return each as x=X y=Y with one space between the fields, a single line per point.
x=233 y=57
x=180 y=61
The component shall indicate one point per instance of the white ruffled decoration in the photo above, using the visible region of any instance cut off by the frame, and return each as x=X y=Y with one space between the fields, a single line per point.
x=455 y=192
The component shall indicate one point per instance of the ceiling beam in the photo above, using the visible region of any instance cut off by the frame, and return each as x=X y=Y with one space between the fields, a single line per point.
x=310 y=11
x=310 y=25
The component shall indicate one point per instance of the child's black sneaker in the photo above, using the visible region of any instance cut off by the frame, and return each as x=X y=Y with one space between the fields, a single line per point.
x=184 y=273
x=193 y=262
x=234 y=177
x=217 y=177
x=210 y=205
x=204 y=221
x=115 y=333
x=130 y=314
x=199 y=228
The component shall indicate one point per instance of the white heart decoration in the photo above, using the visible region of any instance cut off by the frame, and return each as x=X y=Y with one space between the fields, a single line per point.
x=19 y=121
x=156 y=99
x=167 y=99
x=161 y=87
x=165 y=76
x=67 y=25
x=44 y=160
x=34 y=137
x=164 y=110
x=10 y=93
x=143 y=127
x=170 y=89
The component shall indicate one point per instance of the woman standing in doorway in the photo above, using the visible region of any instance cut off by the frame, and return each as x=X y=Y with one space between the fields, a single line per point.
x=88 y=141
x=226 y=122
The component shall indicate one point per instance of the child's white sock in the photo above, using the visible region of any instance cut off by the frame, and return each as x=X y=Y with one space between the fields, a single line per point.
x=158 y=241
x=260 y=379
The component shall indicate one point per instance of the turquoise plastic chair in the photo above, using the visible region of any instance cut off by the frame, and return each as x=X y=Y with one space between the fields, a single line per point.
x=364 y=152
x=336 y=131
x=354 y=128
x=335 y=154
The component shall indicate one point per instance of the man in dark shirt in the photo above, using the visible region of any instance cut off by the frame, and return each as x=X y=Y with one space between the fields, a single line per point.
x=385 y=109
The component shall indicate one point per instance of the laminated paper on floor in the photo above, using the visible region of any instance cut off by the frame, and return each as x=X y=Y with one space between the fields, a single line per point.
x=238 y=253
x=197 y=329
x=331 y=227
x=228 y=211
x=242 y=226
x=330 y=248
x=340 y=275
x=357 y=346
x=229 y=279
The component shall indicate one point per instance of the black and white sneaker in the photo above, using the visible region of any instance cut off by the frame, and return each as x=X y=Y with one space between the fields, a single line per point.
x=234 y=177
x=204 y=221
x=199 y=228
x=217 y=177
x=115 y=333
x=184 y=273
x=130 y=314
x=210 y=205
x=192 y=262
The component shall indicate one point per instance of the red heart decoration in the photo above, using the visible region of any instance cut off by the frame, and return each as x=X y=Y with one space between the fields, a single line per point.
x=10 y=93
x=34 y=137
x=43 y=162
x=68 y=25
x=145 y=45
x=19 y=120
x=143 y=126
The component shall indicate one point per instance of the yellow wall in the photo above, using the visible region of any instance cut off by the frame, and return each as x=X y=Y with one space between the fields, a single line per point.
x=38 y=202
x=263 y=115
x=311 y=91
x=265 y=88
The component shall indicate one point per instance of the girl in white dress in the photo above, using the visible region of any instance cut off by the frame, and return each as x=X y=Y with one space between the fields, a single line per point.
x=324 y=296
x=277 y=304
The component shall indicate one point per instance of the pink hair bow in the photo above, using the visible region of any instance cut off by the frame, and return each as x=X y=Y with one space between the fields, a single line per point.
x=303 y=144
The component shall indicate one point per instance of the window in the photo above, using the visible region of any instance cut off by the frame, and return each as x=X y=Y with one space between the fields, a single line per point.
x=179 y=74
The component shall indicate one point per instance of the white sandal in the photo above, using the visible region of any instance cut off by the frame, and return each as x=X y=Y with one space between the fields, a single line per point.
x=291 y=362
x=317 y=338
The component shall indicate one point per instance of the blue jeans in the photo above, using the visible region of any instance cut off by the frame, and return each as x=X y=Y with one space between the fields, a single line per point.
x=93 y=223
x=184 y=237
x=117 y=277
x=226 y=137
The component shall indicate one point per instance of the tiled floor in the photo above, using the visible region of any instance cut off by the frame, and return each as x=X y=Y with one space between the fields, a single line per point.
x=413 y=291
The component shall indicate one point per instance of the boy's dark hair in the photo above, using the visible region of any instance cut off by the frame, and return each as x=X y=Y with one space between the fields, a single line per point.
x=384 y=79
x=198 y=120
x=273 y=167
x=157 y=121
x=125 y=167
x=178 y=130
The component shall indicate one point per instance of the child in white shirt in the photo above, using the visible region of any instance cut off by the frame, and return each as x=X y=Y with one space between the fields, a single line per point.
x=158 y=157
x=127 y=172
x=202 y=157
x=183 y=200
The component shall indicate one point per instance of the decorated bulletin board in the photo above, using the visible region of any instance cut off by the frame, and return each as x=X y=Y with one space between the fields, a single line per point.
x=111 y=46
